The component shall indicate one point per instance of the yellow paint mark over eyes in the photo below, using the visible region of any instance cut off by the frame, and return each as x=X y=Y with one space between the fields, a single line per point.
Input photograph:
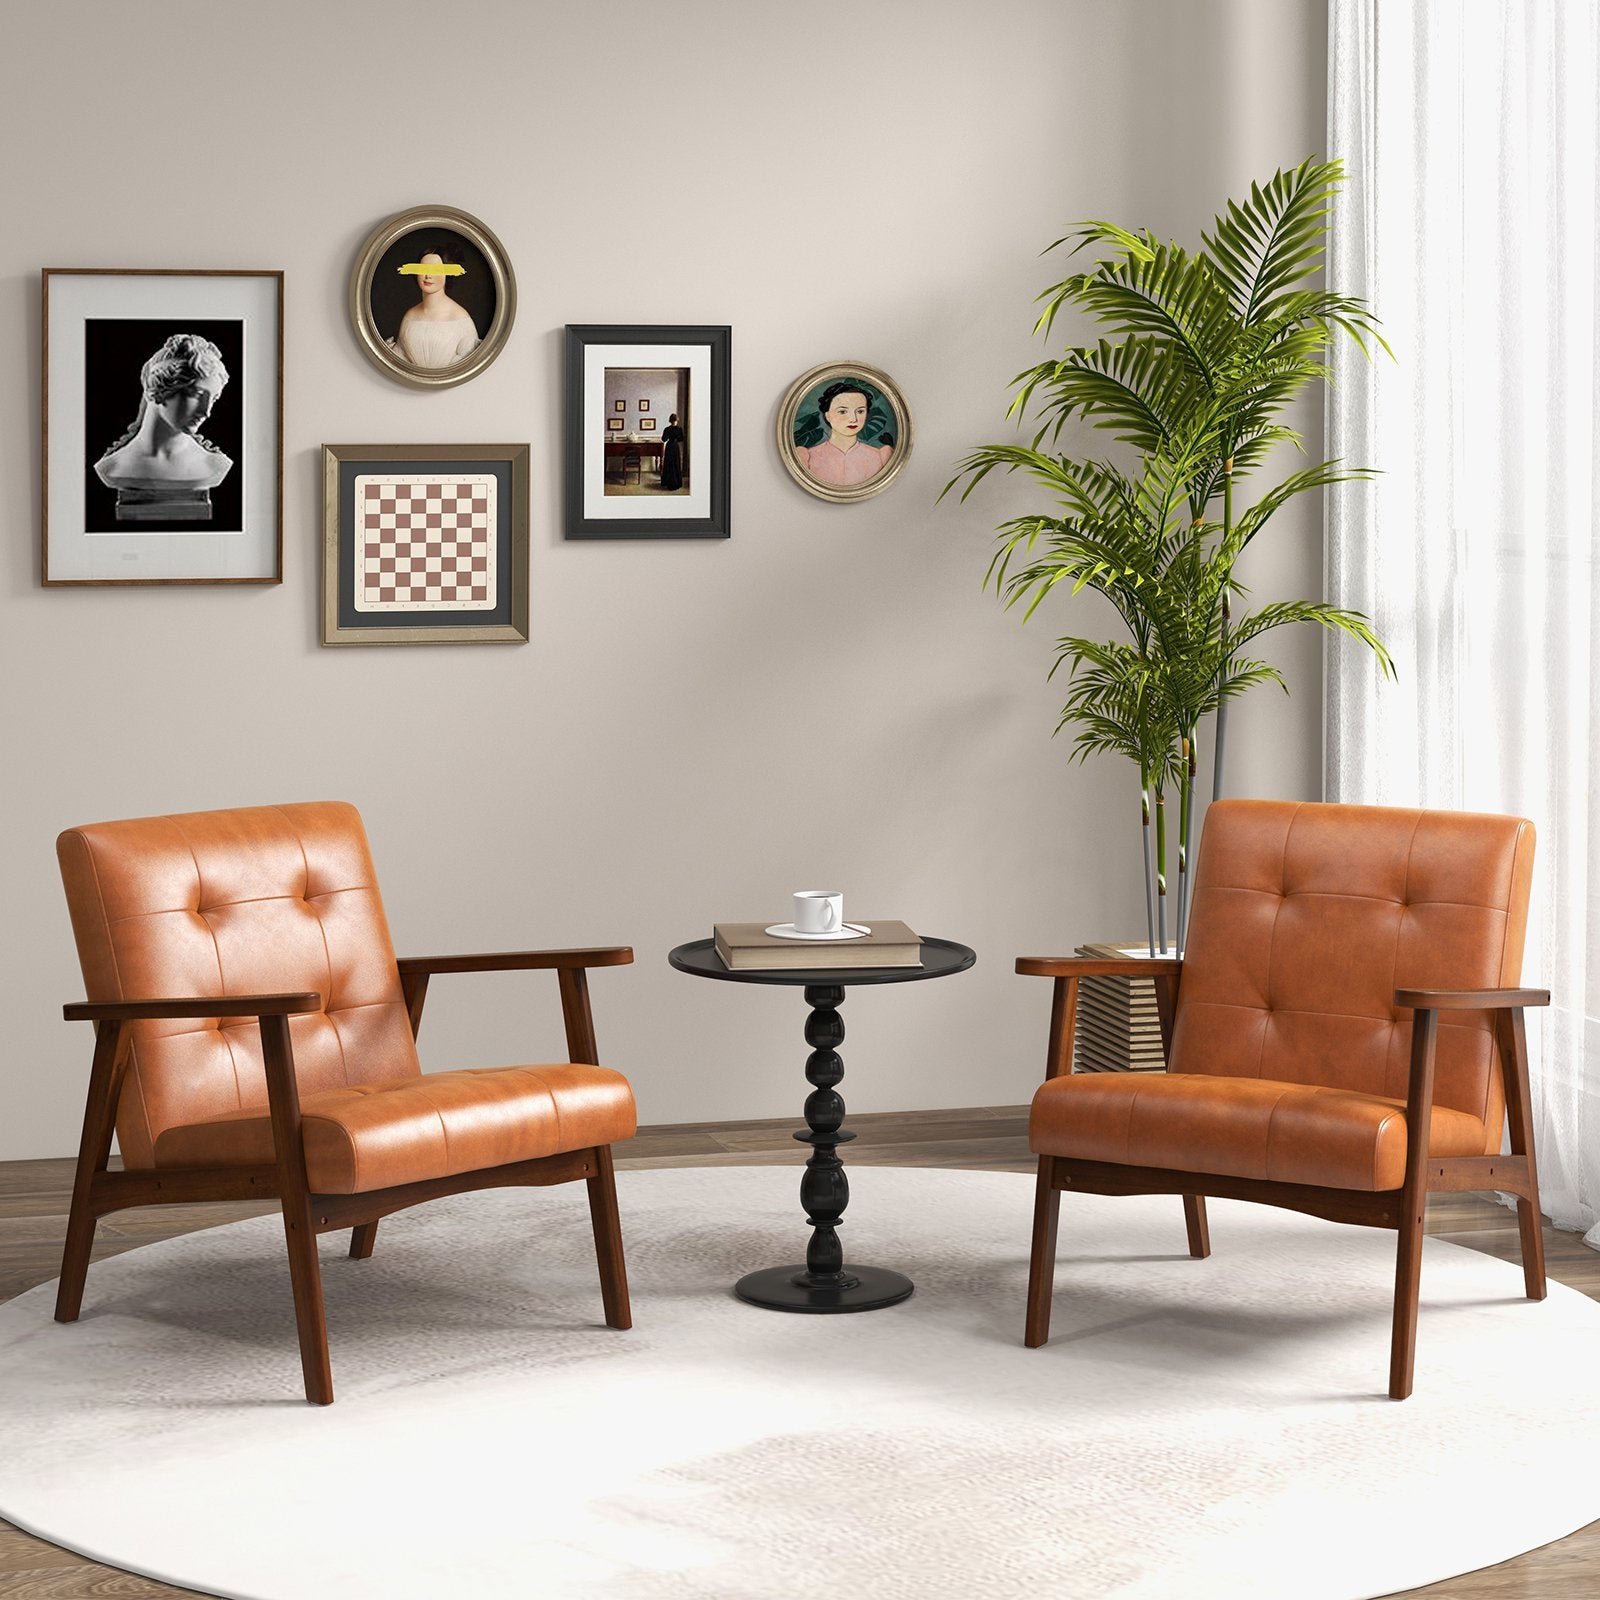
x=435 y=269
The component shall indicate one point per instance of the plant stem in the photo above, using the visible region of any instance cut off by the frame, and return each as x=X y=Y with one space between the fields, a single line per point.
x=1161 y=867
x=1149 y=871
x=1185 y=791
x=1227 y=614
x=1185 y=834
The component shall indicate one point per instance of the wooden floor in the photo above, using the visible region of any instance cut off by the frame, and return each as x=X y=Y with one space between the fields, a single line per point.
x=33 y=1207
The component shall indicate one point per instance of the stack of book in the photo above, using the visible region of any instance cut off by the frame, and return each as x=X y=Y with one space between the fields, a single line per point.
x=747 y=946
x=1119 y=1029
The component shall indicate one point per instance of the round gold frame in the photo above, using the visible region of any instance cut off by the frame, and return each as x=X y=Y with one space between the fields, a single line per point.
x=505 y=296
x=790 y=406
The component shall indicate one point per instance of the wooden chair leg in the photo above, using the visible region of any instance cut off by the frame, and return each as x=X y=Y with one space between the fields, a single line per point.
x=1413 y=1202
x=94 y=1151
x=299 y=1226
x=311 y=1323
x=1530 y=1227
x=1407 y=1288
x=362 y=1239
x=1042 y=1261
x=1512 y=1037
x=75 y=1259
x=1194 y=1220
x=608 y=1242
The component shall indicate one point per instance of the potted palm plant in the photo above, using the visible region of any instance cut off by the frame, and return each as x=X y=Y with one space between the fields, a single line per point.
x=1199 y=356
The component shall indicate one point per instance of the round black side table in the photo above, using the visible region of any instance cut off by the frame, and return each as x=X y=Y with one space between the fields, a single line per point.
x=824 y=1283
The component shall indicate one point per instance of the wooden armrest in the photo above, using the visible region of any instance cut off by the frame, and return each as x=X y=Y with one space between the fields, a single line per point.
x=233 y=1005
x=517 y=960
x=1470 y=999
x=1094 y=967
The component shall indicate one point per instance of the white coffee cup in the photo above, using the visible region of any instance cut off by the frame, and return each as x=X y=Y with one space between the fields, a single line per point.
x=818 y=911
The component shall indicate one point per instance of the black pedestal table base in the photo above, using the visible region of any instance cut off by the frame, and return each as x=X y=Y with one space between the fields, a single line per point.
x=796 y=1289
x=825 y=1283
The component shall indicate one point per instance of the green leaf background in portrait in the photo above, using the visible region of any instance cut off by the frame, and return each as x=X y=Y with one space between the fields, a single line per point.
x=810 y=429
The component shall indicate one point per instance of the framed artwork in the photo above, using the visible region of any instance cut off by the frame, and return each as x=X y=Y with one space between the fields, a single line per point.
x=614 y=424
x=673 y=485
x=432 y=297
x=844 y=431
x=162 y=426
x=425 y=544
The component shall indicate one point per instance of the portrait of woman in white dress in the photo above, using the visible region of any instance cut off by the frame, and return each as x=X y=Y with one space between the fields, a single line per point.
x=432 y=297
x=436 y=331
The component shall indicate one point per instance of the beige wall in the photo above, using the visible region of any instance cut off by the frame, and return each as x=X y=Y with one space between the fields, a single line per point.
x=696 y=728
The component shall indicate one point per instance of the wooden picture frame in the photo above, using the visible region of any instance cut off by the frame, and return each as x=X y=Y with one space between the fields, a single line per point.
x=425 y=544
x=680 y=489
x=162 y=430
x=394 y=301
x=844 y=431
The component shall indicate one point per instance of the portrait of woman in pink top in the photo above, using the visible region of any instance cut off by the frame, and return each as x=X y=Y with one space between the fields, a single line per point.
x=844 y=458
x=843 y=431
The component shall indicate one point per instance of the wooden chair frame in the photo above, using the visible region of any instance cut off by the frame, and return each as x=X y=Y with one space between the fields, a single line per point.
x=1402 y=1209
x=97 y=1190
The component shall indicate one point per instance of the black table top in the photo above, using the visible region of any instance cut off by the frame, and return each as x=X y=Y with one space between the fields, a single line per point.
x=940 y=957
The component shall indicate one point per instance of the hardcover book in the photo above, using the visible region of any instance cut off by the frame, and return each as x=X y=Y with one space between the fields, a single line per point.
x=1119 y=1027
x=747 y=946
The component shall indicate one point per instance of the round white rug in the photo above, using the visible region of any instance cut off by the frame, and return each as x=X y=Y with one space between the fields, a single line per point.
x=1194 y=1429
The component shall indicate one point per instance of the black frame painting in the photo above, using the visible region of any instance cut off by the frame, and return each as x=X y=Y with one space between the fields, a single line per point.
x=685 y=495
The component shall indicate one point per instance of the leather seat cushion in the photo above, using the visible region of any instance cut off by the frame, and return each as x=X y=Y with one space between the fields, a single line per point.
x=1241 y=1127
x=373 y=1136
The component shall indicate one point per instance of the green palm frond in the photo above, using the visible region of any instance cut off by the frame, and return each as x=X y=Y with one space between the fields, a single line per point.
x=1118 y=702
x=1321 y=476
x=1162 y=293
x=1335 y=619
x=1275 y=239
x=1242 y=675
x=1198 y=356
x=1130 y=389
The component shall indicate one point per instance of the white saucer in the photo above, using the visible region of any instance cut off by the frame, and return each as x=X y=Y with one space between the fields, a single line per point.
x=787 y=930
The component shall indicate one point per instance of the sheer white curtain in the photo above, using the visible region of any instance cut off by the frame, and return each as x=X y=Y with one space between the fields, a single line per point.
x=1470 y=134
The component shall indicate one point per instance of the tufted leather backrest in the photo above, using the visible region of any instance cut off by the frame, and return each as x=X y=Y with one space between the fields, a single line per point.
x=1307 y=918
x=269 y=899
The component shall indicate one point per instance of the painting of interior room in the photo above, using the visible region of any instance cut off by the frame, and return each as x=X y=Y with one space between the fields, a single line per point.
x=646 y=443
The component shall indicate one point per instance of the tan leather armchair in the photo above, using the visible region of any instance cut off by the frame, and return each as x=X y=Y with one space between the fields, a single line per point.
x=255 y=1039
x=1351 y=976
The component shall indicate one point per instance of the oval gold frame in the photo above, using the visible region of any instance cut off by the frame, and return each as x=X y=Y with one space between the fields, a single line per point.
x=790 y=405
x=505 y=296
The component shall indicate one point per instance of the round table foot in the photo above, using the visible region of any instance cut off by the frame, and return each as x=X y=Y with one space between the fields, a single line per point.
x=794 y=1289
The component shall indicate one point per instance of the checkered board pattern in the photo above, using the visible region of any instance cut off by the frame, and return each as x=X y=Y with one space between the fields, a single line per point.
x=425 y=542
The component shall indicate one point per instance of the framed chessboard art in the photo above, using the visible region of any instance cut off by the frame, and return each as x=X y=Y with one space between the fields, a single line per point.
x=425 y=544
